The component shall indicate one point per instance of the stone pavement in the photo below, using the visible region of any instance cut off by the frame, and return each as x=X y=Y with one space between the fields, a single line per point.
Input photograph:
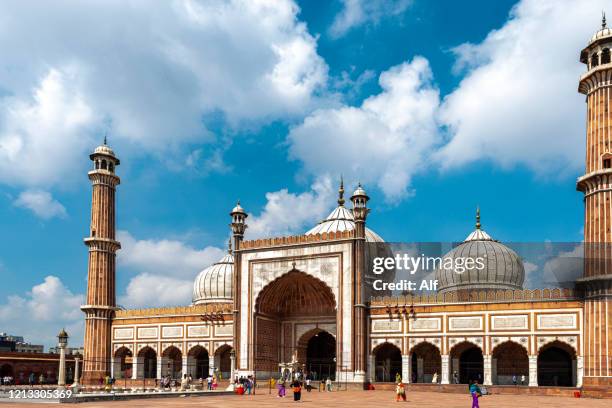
x=350 y=399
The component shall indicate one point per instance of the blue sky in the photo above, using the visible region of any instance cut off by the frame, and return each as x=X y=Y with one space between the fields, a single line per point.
x=436 y=106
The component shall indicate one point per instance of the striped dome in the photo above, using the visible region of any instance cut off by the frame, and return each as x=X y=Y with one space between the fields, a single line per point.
x=341 y=219
x=214 y=284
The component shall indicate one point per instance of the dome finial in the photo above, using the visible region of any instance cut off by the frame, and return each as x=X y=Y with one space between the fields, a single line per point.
x=105 y=134
x=478 y=217
x=603 y=20
x=341 y=192
x=229 y=245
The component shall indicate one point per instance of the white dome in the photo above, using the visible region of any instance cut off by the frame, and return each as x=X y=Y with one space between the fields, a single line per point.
x=341 y=219
x=603 y=33
x=503 y=268
x=104 y=149
x=214 y=284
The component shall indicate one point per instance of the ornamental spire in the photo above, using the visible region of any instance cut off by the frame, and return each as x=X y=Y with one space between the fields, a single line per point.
x=603 y=20
x=478 y=217
x=341 y=192
x=229 y=245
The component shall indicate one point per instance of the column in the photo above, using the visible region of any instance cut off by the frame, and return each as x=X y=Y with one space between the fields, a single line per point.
x=232 y=366
x=487 y=371
x=185 y=367
x=494 y=371
x=455 y=369
x=116 y=367
x=371 y=368
x=211 y=365
x=420 y=375
x=61 y=380
x=405 y=368
x=160 y=362
x=137 y=368
x=77 y=372
x=579 y=371
x=533 y=371
x=445 y=369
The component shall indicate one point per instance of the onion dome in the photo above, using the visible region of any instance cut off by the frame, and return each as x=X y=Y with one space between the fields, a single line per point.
x=341 y=219
x=238 y=209
x=500 y=267
x=214 y=284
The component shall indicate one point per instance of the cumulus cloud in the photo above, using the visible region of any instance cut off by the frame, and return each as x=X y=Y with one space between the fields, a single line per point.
x=164 y=270
x=355 y=13
x=517 y=103
x=148 y=71
x=151 y=290
x=288 y=213
x=164 y=257
x=382 y=142
x=40 y=203
x=49 y=306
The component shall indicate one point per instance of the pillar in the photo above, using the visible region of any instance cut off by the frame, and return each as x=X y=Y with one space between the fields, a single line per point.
x=445 y=369
x=533 y=371
x=232 y=365
x=487 y=371
x=77 y=371
x=372 y=368
x=160 y=365
x=405 y=368
x=137 y=368
x=494 y=371
x=185 y=369
x=61 y=380
x=420 y=375
x=455 y=369
x=579 y=371
x=212 y=363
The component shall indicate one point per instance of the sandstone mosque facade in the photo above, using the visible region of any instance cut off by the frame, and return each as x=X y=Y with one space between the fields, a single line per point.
x=303 y=302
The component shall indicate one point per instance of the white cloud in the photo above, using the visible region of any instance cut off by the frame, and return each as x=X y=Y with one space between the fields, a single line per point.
x=148 y=70
x=164 y=270
x=40 y=203
x=49 y=306
x=288 y=213
x=151 y=290
x=518 y=102
x=165 y=257
x=355 y=13
x=384 y=141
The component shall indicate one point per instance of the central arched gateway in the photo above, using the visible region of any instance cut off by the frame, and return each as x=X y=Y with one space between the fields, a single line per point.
x=284 y=307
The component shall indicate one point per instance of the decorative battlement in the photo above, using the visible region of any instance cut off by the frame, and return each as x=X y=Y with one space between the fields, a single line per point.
x=216 y=308
x=296 y=240
x=525 y=295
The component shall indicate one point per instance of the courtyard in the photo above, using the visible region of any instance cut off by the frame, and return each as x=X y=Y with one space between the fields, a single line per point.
x=352 y=399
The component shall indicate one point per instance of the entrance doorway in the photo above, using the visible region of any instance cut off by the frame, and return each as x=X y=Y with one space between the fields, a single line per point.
x=471 y=363
x=321 y=356
x=388 y=362
x=556 y=365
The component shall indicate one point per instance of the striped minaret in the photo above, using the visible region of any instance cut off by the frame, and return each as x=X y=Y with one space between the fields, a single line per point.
x=596 y=185
x=100 y=308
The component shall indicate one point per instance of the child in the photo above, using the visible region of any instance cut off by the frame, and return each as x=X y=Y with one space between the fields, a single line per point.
x=400 y=392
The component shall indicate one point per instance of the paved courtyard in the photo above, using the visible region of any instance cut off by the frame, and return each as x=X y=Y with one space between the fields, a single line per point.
x=352 y=399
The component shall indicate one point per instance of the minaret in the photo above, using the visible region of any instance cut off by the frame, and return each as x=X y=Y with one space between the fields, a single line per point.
x=596 y=285
x=238 y=226
x=360 y=213
x=100 y=308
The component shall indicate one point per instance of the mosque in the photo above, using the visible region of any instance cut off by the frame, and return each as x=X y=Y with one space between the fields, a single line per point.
x=305 y=302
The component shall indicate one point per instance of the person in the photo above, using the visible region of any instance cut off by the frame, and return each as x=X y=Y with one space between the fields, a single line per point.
x=523 y=379
x=31 y=379
x=398 y=378
x=476 y=393
x=297 y=390
x=41 y=379
x=248 y=385
x=400 y=392
x=281 y=389
x=328 y=384
x=184 y=382
x=434 y=379
x=308 y=386
x=455 y=377
x=514 y=379
x=209 y=382
x=214 y=383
